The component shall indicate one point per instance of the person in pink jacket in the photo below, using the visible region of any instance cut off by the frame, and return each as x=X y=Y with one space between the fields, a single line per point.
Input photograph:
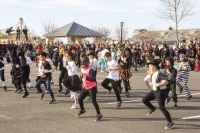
x=89 y=87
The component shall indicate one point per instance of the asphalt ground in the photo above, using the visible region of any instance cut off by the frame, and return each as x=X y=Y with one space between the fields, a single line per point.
x=18 y=115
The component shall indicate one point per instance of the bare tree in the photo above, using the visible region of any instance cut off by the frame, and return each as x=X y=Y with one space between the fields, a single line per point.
x=152 y=34
x=194 y=35
x=105 y=32
x=184 y=34
x=124 y=33
x=140 y=37
x=50 y=27
x=176 y=11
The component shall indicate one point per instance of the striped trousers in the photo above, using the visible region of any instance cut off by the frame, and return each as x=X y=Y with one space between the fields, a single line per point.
x=184 y=79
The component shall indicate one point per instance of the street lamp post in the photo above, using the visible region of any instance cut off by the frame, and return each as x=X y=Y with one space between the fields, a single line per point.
x=122 y=24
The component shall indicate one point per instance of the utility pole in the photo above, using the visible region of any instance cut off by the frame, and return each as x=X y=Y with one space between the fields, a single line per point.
x=21 y=20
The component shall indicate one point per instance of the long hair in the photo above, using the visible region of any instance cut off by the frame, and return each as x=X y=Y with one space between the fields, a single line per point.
x=171 y=66
x=72 y=55
x=126 y=49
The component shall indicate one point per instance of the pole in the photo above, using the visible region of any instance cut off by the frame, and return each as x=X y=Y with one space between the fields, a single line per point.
x=121 y=35
x=21 y=29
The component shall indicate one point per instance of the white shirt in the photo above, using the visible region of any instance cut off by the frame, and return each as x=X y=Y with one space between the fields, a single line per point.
x=72 y=68
x=112 y=74
x=28 y=61
x=64 y=61
x=50 y=61
x=94 y=64
x=103 y=53
x=154 y=78
x=39 y=67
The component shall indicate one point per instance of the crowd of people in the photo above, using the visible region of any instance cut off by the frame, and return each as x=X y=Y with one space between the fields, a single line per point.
x=115 y=59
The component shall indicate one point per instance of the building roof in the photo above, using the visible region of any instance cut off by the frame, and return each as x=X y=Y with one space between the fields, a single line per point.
x=74 y=29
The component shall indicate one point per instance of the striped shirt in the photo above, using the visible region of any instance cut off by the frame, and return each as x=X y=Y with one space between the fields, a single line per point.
x=184 y=72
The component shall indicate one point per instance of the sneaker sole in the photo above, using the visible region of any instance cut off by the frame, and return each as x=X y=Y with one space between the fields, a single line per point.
x=151 y=113
x=169 y=128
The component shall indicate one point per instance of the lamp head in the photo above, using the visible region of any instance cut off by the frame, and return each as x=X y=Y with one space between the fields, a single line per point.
x=122 y=24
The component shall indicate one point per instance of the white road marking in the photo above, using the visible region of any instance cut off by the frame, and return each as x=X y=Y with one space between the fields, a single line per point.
x=192 y=95
x=132 y=101
x=5 y=117
x=192 y=117
x=34 y=78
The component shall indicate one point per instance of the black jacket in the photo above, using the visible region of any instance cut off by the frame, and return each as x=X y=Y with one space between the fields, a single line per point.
x=172 y=76
x=59 y=60
x=126 y=64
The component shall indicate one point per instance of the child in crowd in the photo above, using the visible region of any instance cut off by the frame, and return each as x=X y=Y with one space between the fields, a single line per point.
x=46 y=73
x=90 y=87
x=72 y=82
x=113 y=77
x=183 y=75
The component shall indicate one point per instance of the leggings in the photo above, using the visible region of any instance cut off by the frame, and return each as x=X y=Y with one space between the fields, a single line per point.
x=28 y=71
x=2 y=75
x=63 y=74
x=92 y=93
x=172 y=87
x=126 y=84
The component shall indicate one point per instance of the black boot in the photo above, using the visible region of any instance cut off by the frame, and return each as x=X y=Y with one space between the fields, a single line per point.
x=4 y=88
x=120 y=90
x=25 y=94
x=127 y=94
x=175 y=106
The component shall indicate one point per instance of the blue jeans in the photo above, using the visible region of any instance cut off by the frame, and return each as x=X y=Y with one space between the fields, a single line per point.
x=101 y=60
x=48 y=84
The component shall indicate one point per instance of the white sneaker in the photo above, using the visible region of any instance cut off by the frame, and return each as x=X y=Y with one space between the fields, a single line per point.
x=101 y=71
x=75 y=106
x=72 y=96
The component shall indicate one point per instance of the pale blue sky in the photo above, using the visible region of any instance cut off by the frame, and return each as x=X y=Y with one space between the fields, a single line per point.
x=135 y=14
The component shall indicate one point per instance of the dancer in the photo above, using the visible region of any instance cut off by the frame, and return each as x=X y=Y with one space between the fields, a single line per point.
x=24 y=70
x=125 y=62
x=72 y=82
x=46 y=73
x=158 y=84
x=171 y=72
x=183 y=75
x=90 y=88
x=2 y=62
x=29 y=62
x=113 y=77
x=63 y=71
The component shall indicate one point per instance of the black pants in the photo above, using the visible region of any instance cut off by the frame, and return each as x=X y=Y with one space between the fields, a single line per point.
x=2 y=75
x=18 y=36
x=26 y=36
x=18 y=86
x=56 y=66
x=114 y=84
x=172 y=87
x=160 y=96
x=28 y=71
x=63 y=74
x=79 y=60
x=92 y=92
x=135 y=61
x=24 y=78
x=126 y=84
